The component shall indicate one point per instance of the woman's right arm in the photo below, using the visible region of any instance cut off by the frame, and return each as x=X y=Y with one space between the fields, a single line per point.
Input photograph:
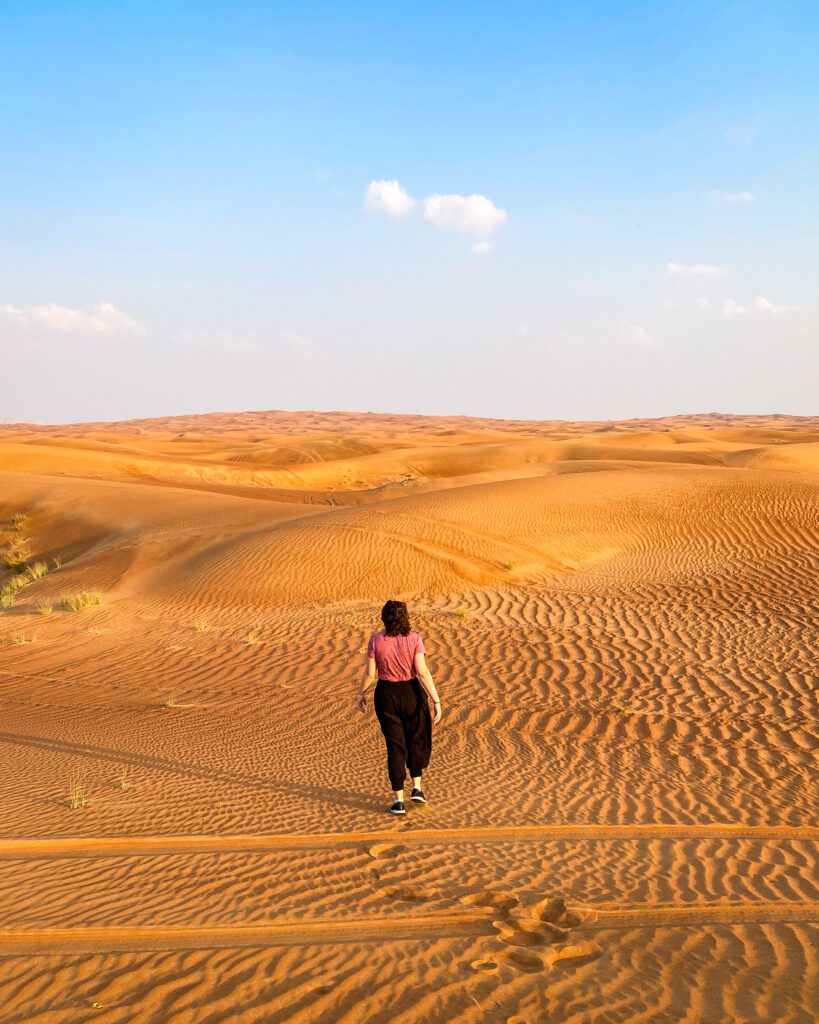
x=428 y=683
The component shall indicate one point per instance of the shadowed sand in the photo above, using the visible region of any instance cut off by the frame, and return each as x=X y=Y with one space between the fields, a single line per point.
x=622 y=622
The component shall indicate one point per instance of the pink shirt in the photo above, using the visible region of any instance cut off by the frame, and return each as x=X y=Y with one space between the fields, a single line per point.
x=395 y=655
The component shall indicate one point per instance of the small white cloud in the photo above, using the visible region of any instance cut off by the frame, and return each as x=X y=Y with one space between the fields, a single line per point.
x=760 y=302
x=104 y=318
x=474 y=215
x=732 y=308
x=695 y=269
x=388 y=197
x=639 y=334
x=703 y=303
x=730 y=198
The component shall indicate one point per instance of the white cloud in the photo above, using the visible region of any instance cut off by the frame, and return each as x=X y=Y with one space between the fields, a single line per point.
x=639 y=334
x=732 y=308
x=703 y=302
x=103 y=318
x=473 y=215
x=760 y=302
x=388 y=197
x=732 y=197
x=695 y=269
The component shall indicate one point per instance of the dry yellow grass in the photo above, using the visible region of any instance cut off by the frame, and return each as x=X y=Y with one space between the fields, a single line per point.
x=77 y=796
x=84 y=599
x=17 y=552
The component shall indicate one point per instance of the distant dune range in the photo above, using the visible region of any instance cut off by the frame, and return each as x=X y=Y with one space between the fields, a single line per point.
x=622 y=620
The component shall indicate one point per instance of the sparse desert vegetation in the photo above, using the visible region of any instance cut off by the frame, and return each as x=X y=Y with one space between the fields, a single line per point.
x=37 y=571
x=20 y=639
x=17 y=552
x=77 y=795
x=83 y=599
x=45 y=607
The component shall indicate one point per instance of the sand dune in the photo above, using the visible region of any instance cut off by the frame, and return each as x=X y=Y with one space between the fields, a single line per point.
x=622 y=622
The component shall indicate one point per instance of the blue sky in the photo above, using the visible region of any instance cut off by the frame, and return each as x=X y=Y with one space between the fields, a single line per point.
x=625 y=223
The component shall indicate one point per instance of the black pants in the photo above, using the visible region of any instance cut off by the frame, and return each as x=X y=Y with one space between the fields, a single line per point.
x=404 y=716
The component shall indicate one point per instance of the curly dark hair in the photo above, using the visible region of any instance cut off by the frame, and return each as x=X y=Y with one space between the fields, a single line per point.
x=395 y=617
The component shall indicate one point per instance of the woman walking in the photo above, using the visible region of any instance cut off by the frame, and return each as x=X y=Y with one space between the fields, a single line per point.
x=405 y=687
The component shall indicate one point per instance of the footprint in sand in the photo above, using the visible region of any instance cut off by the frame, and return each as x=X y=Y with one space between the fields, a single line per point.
x=555 y=911
x=501 y=901
x=409 y=893
x=523 y=959
x=525 y=931
x=384 y=851
x=576 y=954
x=484 y=966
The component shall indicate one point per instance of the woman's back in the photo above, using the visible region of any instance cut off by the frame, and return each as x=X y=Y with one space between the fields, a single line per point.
x=395 y=655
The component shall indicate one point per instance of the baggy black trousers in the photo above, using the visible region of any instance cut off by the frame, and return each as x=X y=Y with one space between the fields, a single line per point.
x=403 y=713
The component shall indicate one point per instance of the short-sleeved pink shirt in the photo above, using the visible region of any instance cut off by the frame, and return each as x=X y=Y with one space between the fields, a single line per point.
x=395 y=655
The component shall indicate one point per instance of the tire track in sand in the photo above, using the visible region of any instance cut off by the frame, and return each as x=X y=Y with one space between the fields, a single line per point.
x=453 y=924
x=113 y=846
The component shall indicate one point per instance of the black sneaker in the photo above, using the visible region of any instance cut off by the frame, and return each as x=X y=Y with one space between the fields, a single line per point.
x=398 y=807
x=418 y=797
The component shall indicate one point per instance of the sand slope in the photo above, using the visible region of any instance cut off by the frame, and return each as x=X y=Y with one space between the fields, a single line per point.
x=622 y=622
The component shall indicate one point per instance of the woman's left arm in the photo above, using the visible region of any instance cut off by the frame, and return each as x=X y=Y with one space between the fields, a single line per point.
x=367 y=681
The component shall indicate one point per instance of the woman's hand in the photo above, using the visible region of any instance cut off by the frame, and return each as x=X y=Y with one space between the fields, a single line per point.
x=361 y=701
x=436 y=712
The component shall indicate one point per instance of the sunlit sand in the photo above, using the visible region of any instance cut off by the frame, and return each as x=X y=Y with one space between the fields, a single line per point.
x=620 y=617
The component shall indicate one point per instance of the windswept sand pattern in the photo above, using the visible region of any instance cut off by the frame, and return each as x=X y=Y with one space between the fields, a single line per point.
x=622 y=623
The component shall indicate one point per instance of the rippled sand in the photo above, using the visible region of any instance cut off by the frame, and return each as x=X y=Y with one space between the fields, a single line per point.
x=622 y=621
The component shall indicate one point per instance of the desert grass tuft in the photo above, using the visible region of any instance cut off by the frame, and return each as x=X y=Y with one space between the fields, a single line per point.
x=124 y=782
x=37 y=571
x=509 y=565
x=77 y=796
x=84 y=599
x=201 y=624
x=171 y=702
x=57 y=562
x=253 y=636
x=6 y=599
x=20 y=639
x=17 y=553
x=45 y=607
x=16 y=583
x=19 y=520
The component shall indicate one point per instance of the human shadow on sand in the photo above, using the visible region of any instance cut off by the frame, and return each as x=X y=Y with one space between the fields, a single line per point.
x=192 y=771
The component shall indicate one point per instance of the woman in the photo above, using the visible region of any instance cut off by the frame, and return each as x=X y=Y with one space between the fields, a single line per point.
x=405 y=686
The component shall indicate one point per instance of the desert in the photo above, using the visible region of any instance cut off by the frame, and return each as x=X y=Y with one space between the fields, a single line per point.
x=622 y=621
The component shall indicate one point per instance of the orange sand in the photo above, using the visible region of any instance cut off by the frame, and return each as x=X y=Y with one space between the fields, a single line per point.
x=621 y=619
